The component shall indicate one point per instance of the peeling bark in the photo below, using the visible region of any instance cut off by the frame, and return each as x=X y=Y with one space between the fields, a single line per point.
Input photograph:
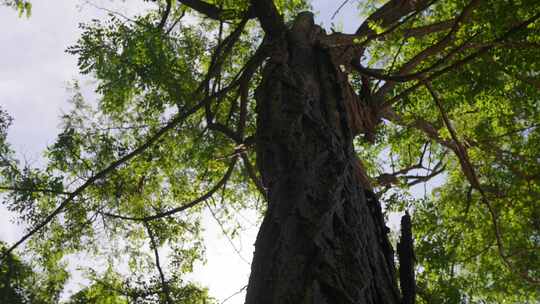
x=323 y=238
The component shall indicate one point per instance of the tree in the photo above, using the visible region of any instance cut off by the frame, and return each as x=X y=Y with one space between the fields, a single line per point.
x=325 y=127
x=20 y=283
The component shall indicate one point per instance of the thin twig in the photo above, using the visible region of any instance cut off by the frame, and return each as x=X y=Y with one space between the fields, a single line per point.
x=112 y=12
x=338 y=9
x=234 y=294
x=191 y=204
x=50 y=191
x=154 y=247
x=226 y=235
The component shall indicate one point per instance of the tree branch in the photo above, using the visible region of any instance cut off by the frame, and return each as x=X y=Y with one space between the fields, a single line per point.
x=459 y=149
x=165 y=15
x=534 y=82
x=154 y=247
x=179 y=118
x=234 y=294
x=439 y=168
x=339 y=9
x=361 y=40
x=420 y=124
x=226 y=235
x=269 y=17
x=209 y=10
x=434 y=49
x=253 y=176
x=461 y=62
x=429 y=29
x=170 y=212
x=103 y=173
x=50 y=191
x=471 y=176
x=390 y=13
x=223 y=49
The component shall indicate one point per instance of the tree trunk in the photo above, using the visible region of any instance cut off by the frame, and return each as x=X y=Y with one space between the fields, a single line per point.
x=323 y=239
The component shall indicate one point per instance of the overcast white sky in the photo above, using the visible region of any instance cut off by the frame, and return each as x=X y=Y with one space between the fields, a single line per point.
x=34 y=76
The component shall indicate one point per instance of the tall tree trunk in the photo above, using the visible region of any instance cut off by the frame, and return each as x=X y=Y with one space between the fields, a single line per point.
x=323 y=239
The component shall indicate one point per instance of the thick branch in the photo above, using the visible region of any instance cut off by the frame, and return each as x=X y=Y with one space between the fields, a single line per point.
x=269 y=17
x=390 y=13
x=204 y=8
x=429 y=29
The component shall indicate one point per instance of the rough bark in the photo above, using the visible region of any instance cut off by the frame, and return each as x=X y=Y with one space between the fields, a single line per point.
x=406 y=261
x=323 y=238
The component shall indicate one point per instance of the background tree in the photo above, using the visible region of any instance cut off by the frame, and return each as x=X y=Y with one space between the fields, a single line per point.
x=422 y=89
x=23 y=283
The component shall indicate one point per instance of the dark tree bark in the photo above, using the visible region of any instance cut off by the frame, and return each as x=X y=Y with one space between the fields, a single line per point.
x=406 y=261
x=323 y=238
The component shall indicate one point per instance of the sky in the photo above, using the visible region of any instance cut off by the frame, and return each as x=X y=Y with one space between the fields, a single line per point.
x=35 y=73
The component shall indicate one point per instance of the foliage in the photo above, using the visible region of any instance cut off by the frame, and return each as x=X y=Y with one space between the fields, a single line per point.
x=110 y=288
x=474 y=242
x=20 y=283
x=23 y=7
